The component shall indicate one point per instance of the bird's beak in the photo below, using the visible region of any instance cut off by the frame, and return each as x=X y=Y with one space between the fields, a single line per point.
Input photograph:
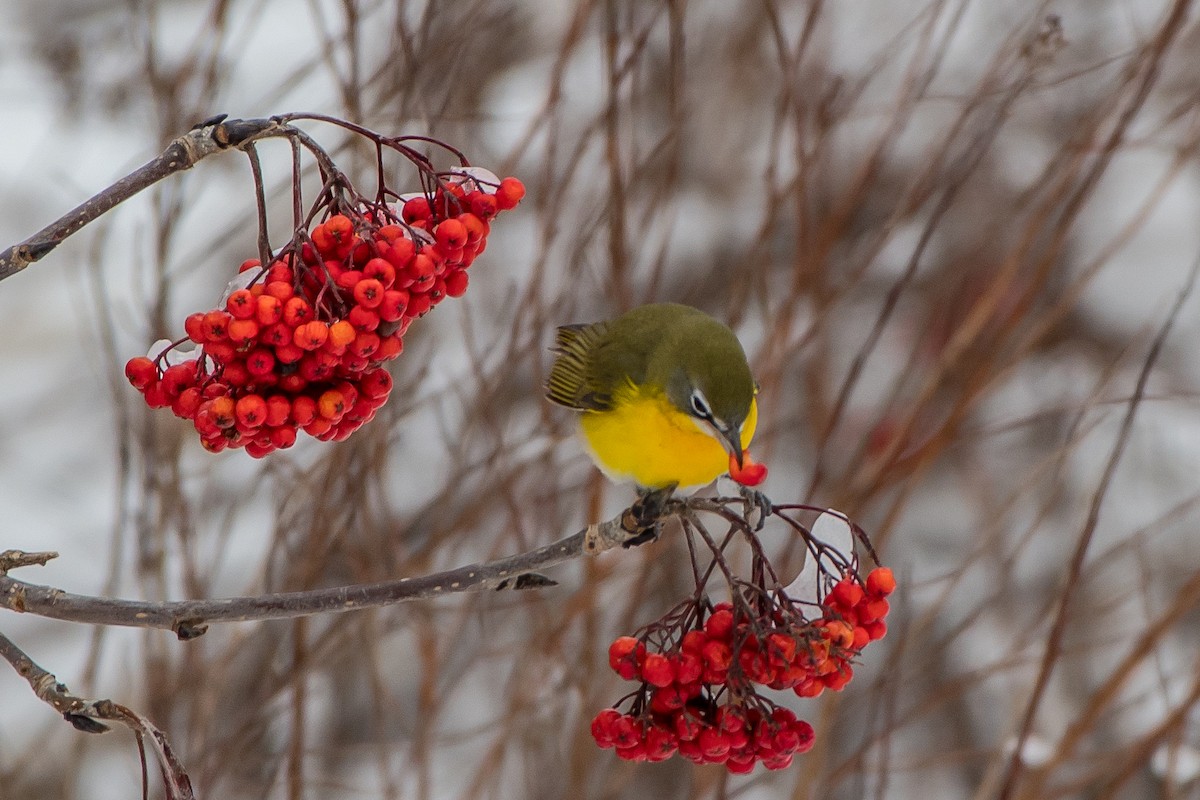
x=731 y=440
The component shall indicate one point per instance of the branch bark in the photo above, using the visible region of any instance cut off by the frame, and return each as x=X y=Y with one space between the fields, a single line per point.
x=211 y=136
x=190 y=618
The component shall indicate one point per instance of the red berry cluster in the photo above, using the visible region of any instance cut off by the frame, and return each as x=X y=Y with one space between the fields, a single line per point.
x=299 y=346
x=699 y=694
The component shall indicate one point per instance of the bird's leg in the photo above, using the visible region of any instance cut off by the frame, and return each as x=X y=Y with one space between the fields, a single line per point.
x=756 y=500
x=644 y=516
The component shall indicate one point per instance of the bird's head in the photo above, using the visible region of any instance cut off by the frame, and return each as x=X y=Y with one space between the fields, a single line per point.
x=704 y=374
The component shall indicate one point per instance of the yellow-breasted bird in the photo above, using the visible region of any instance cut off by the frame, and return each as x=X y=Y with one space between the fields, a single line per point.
x=666 y=394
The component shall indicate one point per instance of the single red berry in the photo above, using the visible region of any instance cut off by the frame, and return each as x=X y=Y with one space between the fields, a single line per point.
x=416 y=209
x=483 y=206
x=881 y=582
x=368 y=292
x=283 y=436
x=319 y=426
x=689 y=667
x=348 y=279
x=380 y=269
x=363 y=319
x=398 y=253
x=179 y=377
x=393 y=304
x=845 y=594
x=241 y=304
x=249 y=264
x=450 y=234
x=193 y=325
x=365 y=344
x=268 y=310
x=418 y=304
x=625 y=655
x=456 y=283
x=141 y=372
x=296 y=311
x=216 y=325
x=389 y=347
x=280 y=290
x=602 y=727
x=281 y=271
x=251 y=410
x=260 y=362
x=242 y=331
x=376 y=382
x=509 y=194
x=288 y=353
x=720 y=624
x=304 y=409
x=657 y=670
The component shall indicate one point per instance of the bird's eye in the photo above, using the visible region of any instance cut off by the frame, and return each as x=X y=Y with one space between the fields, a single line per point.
x=700 y=406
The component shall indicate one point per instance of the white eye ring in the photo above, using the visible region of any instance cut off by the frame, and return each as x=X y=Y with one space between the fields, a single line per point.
x=700 y=405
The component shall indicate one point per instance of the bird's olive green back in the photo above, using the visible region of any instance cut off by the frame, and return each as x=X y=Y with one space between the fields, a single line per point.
x=673 y=348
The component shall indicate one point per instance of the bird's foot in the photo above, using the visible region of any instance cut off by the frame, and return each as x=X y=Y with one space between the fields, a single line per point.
x=756 y=501
x=644 y=517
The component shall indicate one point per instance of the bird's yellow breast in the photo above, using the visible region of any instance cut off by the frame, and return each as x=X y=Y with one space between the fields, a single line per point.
x=645 y=439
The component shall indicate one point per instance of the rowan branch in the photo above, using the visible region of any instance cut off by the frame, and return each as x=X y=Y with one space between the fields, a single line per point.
x=190 y=618
x=215 y=135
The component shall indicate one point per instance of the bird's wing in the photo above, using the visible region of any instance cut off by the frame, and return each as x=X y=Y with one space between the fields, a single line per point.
x=572 y=381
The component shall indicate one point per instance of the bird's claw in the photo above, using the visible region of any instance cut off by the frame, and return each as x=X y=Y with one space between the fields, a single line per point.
x=644 y=517
x=756 y=500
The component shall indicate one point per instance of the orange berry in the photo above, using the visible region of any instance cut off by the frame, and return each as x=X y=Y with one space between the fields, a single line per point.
x=251 y=410
x=278 y=410
x=342 y=333
x=222 y=410
x=216 y=325
x=241 y=304
x=881 y=582
x=296 y=311
x=269 y=309
x=331 y=405
x=311 y=335
x=242 y=331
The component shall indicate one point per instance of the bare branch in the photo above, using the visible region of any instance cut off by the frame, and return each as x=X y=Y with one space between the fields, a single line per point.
x=83 y=714
x=212 y=136
x=190 y=618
